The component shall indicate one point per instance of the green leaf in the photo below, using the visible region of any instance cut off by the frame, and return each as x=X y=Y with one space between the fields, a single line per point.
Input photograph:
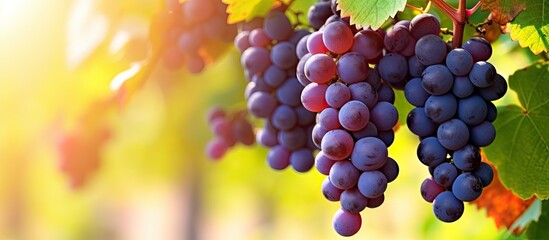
x=540 y=229
x=246 y=10
x=521 y=149
x=531 y=27
x=370 y=13
x=503 y=11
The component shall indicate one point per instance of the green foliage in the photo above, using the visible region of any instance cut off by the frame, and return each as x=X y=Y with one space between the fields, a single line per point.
x=503 y=11
x=540 y=229
x=531 y=27
x=521 y=149
x=370 y=13
x=246 y=10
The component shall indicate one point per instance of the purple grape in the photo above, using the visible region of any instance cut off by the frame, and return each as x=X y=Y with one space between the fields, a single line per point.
x=337 y=144
x=293 y=139
x=354 y=115
x=462 y=87
x=283 y=55
x=472 y=110
x=390 y=169
x=479 y=48
x=337 y=37
x=266 y=138
x=284 y=118
x=255 y=60
x=483 y=134
x=328 y=119
x=344 y=175
x=430 y=50
x=315 y=44
x=318 y=134
x=304 y=117
x=261 y=104
x=312 y=97
x=393 y=67
x=353 y=201
x=364 y=92
x=290 y=92
x=278 y=157
x=369 y=131
x=318 y=13
x=320 y=68
x=430 y=152
x=337 y=94
x=483 y=74
x=375 y=202
x=414 y=92
x=459 y=62
x=441 y=108
x=323 y=164
x=369 y=154
x=467 y=187
x=384 y=115
x=330 y=192
x=372 y=184
x=368 y=43
x=445 y=174
x=397 y=38
x=437 y=79
x=424 y=24
x=346 y=223
x=387 y=137
x=467 y=158
x=302 y=160
x=430 y=190
x=274 y=76
x=495 y=91
x=352 y=67
x=447 y=207
x=277 y=26
x=453 y=134
x=485 y=173
x=420 y=124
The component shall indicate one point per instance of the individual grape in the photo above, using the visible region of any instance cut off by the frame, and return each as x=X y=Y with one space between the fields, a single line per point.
x=472 y=110
x=278 y=157
x=216 y=148
x=388 y=137
x=277 y=26
x=298 y=35
x=441 y=108
x=390 y=169
x=293 y=139
x=485 y=173
x=462 y=87
x=372 y=184
x=312 y=97
x=215 y=113
x=337 y=37
x=304 y=117
x=241 y=41
x=393 y=67
x=365 y=93
x=259 y=38
x=243 y=131
x=369 y=131
x=323 y=164
x=420 y=124
x=459 y=62
x=385 y=94
x=318 y=13
x=384 y=115
x=368 y=43
x=267 y=138
x=375 y=202
x=300 y=70
x=317 y=135
x=369 y=154
x=352 y=67
x=302 y=160
x=290 y=92
x=283 y=55
x=479 y=48
x=424 y=24
x=492 y=112
x=467 y=158
x=222 y=127
x=430 y=49
x=430 y=189
x=410 y=49
x=337 y=94
x=315 y=44
x=373 y=79
x=437 y=79
x=337 y=144
x=320 y=68
x=255 y=60
x=354 y=115
x=467 y=187
x=344 y=175
x=274 y=76
x=414 y=92
x=483 y=134
x=328 y=119
x=353 y=201
x=261 y=104
x=205 y=8
x=346 y=223
x=447 y=207
x=445 y=174
x=431 y=152
x=415 y=68
x=494 y=91
x=260 y=84
x=397 y=38
x=301 y=47
x=330 y=192
x=284 y=117
x=453 y=134
x=483 y=74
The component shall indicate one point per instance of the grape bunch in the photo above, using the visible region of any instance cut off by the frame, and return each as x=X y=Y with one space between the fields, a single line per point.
x=355 y=118
x=195 y=36
x=451 y=90
x=228 y=130
x=273 y=92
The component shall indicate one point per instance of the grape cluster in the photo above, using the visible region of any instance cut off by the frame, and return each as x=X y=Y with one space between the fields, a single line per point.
x=355 y=117
x=199 y=27
x=452 y=90
x=273 y=92
x=228 y=130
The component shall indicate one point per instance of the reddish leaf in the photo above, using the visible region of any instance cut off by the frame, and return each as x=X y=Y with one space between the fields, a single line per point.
x=500 y=203
x=503 y=11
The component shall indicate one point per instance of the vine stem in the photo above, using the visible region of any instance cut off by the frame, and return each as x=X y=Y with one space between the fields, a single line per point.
x=458 y=16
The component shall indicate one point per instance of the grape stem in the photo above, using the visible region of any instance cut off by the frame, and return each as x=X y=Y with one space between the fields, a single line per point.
x=459 y=18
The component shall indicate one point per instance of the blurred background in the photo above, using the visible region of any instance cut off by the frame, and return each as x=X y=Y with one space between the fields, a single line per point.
x=153 y=180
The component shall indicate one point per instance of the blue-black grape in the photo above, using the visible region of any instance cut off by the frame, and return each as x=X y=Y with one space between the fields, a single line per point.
x=430 y=49
x=441 y=108
x=453 y=134
x=445 y=174
x=372 y=184
x=420 y=124
x=467 y=187
x=467 y=158
x=430 y=152
x=447 y=207
x=437 y=79
x=414 y=92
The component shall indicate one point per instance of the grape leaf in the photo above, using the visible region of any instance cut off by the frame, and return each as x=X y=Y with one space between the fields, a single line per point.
x=521 y=149
x=531 y=27
x=503 y=11
x=500 y=203
x=540 y=229
x=246 y=10
x=370 y=13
